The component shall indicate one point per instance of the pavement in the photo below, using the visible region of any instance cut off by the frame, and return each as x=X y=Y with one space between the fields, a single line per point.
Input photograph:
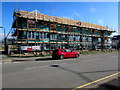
x=4 y=58
x=86 y=71
x=13 y=59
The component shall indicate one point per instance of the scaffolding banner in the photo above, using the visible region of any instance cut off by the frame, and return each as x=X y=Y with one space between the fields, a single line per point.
x=36 y=48
x=24 y=47
x=30 y=48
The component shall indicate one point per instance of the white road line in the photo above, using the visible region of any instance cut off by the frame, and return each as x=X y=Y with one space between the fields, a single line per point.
x=30 y=68
x=43 y=66
x=35 y=67
x=17 y=62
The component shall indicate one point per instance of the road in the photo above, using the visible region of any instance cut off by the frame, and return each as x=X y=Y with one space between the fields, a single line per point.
x=66 y=73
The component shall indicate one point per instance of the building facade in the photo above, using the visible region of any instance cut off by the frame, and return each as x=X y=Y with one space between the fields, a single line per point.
x=35 y=31
x=116 y=42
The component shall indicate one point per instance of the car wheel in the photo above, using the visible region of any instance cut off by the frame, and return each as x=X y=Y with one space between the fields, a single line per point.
x=76 y=56
x=61 y=56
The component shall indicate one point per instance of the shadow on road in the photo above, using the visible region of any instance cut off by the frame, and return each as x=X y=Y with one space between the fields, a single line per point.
x=80 y=74
x=48 y=59
x=109 y=86
x=45 y=59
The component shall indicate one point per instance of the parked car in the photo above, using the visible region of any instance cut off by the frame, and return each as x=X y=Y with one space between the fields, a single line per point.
x=64 y=53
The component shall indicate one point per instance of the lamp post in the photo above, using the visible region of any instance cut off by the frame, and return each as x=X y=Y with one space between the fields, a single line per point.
x=4 y=38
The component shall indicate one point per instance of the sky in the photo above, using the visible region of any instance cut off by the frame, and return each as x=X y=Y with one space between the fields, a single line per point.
x=101 y=13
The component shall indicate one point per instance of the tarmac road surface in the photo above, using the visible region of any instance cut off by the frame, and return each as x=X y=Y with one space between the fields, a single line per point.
x=66 y=73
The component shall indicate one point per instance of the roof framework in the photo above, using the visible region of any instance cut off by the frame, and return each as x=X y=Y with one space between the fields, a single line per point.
x=39 y=16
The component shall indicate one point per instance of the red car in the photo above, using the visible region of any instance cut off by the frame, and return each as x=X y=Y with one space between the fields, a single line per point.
x=64 y=53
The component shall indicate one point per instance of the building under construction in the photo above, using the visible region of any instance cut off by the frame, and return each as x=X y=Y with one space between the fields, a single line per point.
x=37 y=32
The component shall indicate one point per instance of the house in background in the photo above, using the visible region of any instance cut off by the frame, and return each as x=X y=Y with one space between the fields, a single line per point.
x=116 y=42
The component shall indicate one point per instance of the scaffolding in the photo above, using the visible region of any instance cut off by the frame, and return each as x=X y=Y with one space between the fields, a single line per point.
x=50 y=32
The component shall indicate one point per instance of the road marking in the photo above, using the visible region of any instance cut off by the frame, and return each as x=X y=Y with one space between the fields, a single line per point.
x=30 y=68
x=95 y=81
x=43 y=66
x=18 y=62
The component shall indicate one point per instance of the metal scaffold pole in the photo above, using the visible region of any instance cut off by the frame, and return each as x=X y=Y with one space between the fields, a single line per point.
x=49 y=31
x=102 y=40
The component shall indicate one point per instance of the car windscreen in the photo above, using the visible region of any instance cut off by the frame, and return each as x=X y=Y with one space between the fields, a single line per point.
x=68 y=50
x=63 y=50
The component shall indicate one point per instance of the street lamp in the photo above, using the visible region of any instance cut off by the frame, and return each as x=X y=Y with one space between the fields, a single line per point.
x=4 y=37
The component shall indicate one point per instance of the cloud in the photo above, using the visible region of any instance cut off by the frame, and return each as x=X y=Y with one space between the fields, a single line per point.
x=101 y=22
x=93 y=10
